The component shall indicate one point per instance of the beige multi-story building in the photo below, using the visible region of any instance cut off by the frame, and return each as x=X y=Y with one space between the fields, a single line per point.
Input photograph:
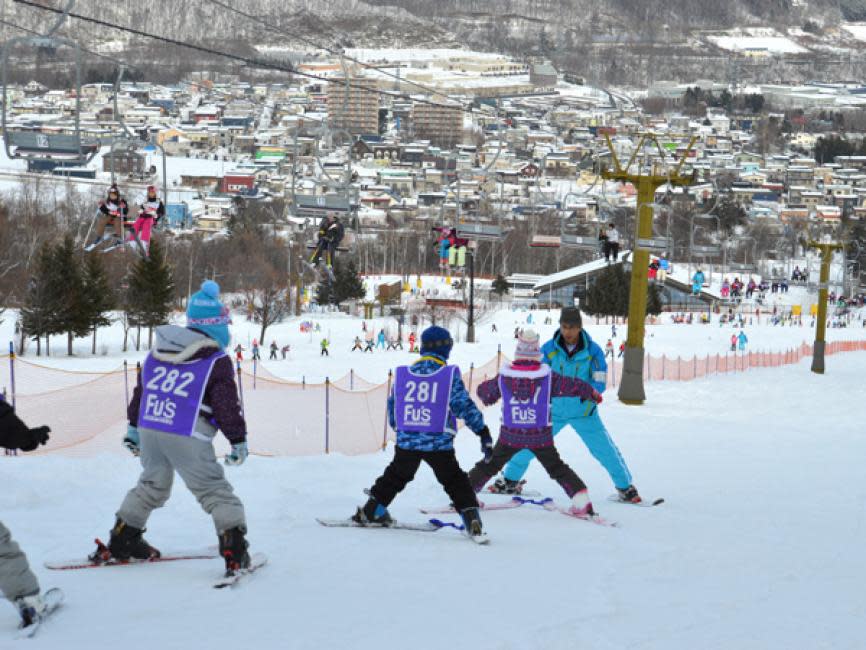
x=352 y=108
x=442 y=125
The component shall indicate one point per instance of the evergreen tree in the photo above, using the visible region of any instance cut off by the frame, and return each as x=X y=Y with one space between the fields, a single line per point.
x=39 y=310
x=350 y=286
x=150 y=297
x=98 y=295
x=610 y=294
x=500 y=286
x=73 y=317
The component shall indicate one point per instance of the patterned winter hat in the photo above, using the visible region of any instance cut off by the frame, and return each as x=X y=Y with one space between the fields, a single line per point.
x=528 y=346
x=206 y=314
x=436 y=340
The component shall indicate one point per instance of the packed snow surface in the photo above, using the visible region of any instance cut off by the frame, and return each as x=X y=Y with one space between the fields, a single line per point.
x=755 y=547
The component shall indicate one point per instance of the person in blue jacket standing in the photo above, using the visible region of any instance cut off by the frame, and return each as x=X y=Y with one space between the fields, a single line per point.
x=572 y=354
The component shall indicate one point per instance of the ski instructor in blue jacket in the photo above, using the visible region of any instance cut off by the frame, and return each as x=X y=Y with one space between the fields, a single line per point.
x=572 y=354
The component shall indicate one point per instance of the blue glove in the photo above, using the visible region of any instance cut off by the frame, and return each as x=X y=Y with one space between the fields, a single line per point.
x=486 y=444
x=238 y=454
x=131 y=441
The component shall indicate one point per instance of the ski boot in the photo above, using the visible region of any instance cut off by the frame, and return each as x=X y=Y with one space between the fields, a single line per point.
x=472 y=520
x=96 y=242
x=233 y=547
x=503 y=485
x=581 y=506
x=30 y=608
x=373 y=512
x=126 y=543
x=629 y=495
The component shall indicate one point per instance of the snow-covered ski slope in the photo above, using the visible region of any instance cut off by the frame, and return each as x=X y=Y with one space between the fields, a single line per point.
x=757 y=545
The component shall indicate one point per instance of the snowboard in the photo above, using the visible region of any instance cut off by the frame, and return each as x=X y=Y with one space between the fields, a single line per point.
x=257 y=561
x=53 y=599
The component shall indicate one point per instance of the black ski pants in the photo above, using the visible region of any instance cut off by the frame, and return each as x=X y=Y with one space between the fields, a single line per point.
x=444 y=464
x=549 y=458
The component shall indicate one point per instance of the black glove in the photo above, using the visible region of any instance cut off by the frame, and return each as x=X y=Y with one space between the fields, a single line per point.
x=486 y=444
x=36 y=437
x=14 y=434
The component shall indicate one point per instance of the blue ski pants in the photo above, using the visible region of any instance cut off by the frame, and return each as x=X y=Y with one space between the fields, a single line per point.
x=596 y=438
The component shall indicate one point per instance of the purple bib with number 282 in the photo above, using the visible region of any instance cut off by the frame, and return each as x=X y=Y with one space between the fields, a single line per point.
x=421 y=401
x=172 y=394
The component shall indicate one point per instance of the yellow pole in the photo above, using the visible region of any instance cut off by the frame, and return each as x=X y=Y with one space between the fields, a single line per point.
x=631 y=389
x=823 y=289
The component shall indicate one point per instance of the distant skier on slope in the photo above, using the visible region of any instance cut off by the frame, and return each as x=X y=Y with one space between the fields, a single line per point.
x=526 y=388
x=423 y=406
x=188 y=371
x=17 y=581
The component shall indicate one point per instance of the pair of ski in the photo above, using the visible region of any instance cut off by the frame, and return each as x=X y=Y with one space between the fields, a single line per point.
x=644 y=503
x=257 y=560
x=547 y=503
x=430 y=526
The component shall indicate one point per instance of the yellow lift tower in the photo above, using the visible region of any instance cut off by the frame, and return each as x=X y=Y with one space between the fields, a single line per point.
x=827 y=250
x=646 y=179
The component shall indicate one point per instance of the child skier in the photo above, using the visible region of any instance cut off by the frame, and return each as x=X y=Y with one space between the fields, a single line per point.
x=150 y=212
x=526 y=388
x=572 y=354
x=186 y=392
x=423 y=406
x=17 y=581
x=324 y=343
x=113 y=211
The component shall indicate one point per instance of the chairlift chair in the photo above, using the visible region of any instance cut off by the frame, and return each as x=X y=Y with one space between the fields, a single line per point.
x=47 y=147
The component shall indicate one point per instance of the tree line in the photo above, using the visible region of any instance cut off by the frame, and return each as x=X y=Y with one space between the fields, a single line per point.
x=73 y=294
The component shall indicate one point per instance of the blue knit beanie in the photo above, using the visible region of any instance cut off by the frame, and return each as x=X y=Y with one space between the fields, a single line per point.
x=436 y=340
x=206 y=314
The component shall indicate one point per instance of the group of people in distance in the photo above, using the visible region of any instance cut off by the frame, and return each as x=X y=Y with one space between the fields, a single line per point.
x=186 y=392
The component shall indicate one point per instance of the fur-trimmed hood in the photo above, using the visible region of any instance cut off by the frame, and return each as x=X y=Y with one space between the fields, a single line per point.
x=176 y=344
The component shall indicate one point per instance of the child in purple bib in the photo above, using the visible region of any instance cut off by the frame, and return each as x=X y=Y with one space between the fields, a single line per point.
x=526 y=388
x=423 y=408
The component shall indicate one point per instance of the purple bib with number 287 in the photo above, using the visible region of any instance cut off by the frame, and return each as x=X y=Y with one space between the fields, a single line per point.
x=172 y=394
x=532 y=413
x=421 y=401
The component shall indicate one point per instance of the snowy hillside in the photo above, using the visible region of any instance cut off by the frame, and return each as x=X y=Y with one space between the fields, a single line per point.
x=756 y=546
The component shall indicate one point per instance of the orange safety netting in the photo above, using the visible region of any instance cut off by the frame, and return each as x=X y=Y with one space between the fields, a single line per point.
x=87 y=410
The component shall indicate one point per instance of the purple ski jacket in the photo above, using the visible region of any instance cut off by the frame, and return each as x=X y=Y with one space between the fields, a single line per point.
x=522 y=377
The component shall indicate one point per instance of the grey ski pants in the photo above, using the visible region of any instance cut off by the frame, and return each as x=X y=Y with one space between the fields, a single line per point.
x=16 y=578
x=163 y=454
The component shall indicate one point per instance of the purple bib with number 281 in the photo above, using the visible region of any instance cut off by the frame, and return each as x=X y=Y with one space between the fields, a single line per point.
x=172 y=394
x=421 y=401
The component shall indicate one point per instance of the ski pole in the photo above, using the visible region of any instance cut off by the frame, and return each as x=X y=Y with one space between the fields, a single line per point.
x=240 y=386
